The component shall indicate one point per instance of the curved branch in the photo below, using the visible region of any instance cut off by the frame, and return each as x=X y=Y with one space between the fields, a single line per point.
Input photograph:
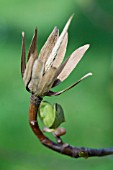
x=62 y=148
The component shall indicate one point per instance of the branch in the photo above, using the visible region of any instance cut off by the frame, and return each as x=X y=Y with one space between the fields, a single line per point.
x=61 y=147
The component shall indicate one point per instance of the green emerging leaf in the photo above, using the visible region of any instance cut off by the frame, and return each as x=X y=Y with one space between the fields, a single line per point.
x=51 y=116
x=59 y=116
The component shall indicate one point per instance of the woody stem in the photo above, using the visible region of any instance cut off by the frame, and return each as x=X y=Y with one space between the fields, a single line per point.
x=62 y=148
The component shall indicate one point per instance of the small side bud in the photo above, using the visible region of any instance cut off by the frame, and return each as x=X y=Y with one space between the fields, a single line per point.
x=83 y=154
x=60 y=132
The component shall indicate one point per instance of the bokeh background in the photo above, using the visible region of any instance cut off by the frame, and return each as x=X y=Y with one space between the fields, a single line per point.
x=88 y=107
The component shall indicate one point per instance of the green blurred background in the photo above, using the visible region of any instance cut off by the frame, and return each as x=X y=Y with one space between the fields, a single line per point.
x=88 y=107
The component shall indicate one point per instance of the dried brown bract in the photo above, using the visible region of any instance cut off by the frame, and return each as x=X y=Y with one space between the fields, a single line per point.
x=47 y=70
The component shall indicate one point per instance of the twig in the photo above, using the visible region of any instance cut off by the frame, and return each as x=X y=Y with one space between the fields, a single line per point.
x=62 y=148
x=58 y=139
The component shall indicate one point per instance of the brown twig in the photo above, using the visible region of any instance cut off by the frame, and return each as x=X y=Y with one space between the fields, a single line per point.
x=62 y=148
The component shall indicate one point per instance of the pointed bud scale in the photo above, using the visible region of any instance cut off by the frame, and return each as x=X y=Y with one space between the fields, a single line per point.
x=32 y=55
x=48 y=46
x=23 y=56
x=46 y=82
x=72 y=62
x=37 y=73
x=57 y=45
x=33 y=46
x=51 y=93
x=61 y=53
x=28 y=71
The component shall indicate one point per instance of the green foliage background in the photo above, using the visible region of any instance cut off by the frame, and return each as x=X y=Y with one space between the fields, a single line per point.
x=88 y=107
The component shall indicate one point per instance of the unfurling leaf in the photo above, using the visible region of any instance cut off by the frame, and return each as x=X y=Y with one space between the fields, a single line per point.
x=51 y=116
x=59 y=116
